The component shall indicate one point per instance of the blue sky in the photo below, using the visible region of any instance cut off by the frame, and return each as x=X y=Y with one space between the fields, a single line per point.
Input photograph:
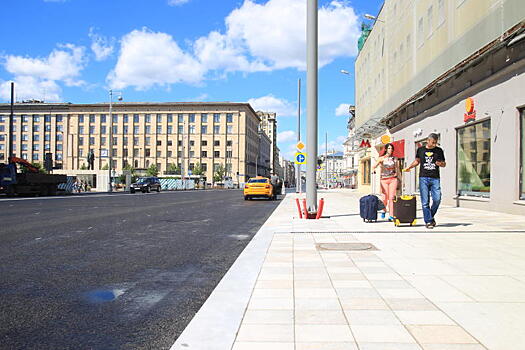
x=183 y=50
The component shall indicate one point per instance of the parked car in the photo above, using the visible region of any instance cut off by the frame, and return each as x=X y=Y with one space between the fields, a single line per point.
x=146 y=185
x=258 y=187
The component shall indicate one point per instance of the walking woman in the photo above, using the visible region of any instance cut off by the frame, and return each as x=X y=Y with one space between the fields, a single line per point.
x=389 y=179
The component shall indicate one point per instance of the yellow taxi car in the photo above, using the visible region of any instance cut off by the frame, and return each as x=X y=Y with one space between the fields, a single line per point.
x=258 y=187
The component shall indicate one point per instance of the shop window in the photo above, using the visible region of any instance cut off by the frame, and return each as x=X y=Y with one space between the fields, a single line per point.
x=522 y=147
x=366 y=172
x=473 y=154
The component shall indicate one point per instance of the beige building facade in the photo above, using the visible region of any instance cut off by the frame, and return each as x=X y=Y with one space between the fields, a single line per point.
x=269 y=126
x=142 y=134
x=454 y=68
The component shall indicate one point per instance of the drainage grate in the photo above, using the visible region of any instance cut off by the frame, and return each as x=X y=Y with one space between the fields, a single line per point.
x=346 y=246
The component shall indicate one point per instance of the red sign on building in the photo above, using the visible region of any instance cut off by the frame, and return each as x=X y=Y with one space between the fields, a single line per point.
x=471 y=112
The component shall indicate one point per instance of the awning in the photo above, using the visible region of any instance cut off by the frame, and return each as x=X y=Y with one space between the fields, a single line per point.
x=370 y=129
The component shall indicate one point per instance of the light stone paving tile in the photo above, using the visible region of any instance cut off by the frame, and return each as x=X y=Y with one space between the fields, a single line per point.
x=310 y=277
x=307 y=264
x=381 y=334
x=347 y=277
x=410 y=304
x=326 y=346
x=268 y=317
x=333 y=270
x=357 y=293
x=310 y=270
x=320 y=317
x=271 y=304
x=435 y=289
x=342 y=264
x=317 y=304
x=440 y=334
x=375 y=269
x=391 y=284
x=275 y=284
x=370 y=263
x=315 y=293
x=400 y=293
x=384 y=277
x=278 y=264
x=424 y=318
x=352 y=284
x=265 y=333
x=275 y=276
x=323 y=333
x=276 y=270
x=388 y=346
x=324 y=283
x=273 y=293
x=453 y=347
x=364 y=304
x=263 y=346
x=489 y=288
x=371 y=317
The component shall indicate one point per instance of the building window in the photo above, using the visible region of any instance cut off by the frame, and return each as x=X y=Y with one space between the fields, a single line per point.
x=36 y=128
x=25 y=137
x=115 y=141
x=91 y=129
x=125 y=141
x=216 y=118
x=204 y=166
x=522 y=177
x=366 y=172
x=192 y=118
x=204 y=129
x=229 y=154
x=135 y=118
x=147 y=117
x=192 y=129
x=114 y=118
x=125 y=129
x=148 y=129
x=229 y=129
x=170 y=129
x=80 y=118
x=91 y=118
x=217 y=154
x=60 y=137
x=102 y=141
x=473 y=154
x=204 y=154
x=192 y=154
x=180 y=118
x=126 y=118
x=159 y=143
x=135 y=141
x=204 y=143
x=170 y=142
x=192 y=143
x=135 y=152
x=147 y=141
x=204 y=118
x=181 y=129
x=159 y=129
x=229 y=143
x=26 y=128
x=159 y=118
x=80 y=129
x=114 y=129
x=59 y=147
x=216 y=143
x=80 y=141
x=170 y=118
x=158 y=154
x=58 y=118
x=103 y=129
x=102 y=118
x=36 y=147
x=148 y=152
x=47 y=118
x=91 y=140
x=216 y=129
x=136 y=129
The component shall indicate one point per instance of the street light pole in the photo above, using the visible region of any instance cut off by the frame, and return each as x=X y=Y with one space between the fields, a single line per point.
x=311 y=140
x=298 y=179
x=110 y=141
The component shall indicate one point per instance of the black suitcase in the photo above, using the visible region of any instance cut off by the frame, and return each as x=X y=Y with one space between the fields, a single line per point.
x=368 y=208
x=405 y=210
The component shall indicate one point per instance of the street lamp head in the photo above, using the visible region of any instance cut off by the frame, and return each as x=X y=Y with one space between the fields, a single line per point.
x=369 y=16
x=119 y=98
x=345 y=72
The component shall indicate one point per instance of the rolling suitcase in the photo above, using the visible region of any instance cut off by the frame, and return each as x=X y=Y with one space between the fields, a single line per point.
x=368 y=208
x=405 y=208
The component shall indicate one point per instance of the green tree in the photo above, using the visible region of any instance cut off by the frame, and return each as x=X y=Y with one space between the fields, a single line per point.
x=131 y=169
x=197 y=170
x=173 y=169
x=219 y=173
x=152 y=170
x=83 y=166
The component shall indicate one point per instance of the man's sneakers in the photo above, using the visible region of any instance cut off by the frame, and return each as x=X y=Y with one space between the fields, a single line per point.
x=431 y=224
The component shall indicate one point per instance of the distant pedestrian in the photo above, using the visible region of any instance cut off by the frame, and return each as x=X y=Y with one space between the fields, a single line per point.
x=389 y=179
x=431 y=157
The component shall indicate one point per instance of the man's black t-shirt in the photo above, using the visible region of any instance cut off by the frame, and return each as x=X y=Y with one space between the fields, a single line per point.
x=427 y=158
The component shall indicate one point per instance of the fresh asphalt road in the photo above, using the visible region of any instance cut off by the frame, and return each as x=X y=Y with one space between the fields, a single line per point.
x=116 y=271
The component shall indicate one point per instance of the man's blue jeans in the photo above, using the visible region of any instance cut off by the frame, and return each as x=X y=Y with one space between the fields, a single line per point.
x=429 y=186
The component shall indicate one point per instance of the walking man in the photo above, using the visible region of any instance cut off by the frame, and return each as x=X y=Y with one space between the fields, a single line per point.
x=431 y=157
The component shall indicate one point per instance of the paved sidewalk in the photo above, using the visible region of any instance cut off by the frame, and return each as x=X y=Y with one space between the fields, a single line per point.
x=460 y=286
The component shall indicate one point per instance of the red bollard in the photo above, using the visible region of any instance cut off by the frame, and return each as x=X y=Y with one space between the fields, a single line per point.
x=299 y=208
x=305 y=210
x=320 y=210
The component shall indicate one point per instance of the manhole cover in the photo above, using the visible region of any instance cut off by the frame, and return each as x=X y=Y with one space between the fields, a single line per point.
x=346 y=246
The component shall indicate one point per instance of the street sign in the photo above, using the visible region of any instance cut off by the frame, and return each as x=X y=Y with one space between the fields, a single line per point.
x=300 y=158
x=300 y=146
x=190 y=172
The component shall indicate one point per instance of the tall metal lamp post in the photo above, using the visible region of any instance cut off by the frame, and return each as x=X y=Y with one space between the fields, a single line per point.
x=110 y=143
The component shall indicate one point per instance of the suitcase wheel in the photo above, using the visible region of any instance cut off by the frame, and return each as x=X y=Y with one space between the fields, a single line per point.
x=413 y=223
x=397 y=222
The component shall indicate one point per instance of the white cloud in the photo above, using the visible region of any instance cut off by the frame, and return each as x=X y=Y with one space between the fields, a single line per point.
x=274 y=32
x=177 y=2
x=148 y=58
x=101 y=46
x=286 y=136
x=270 y=103
x=342 y=110
x=39 y=78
